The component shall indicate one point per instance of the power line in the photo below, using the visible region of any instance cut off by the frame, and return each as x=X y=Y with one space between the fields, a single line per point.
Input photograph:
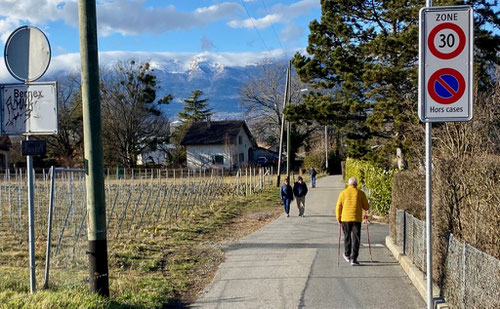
x=274 y=30
x=260 y=36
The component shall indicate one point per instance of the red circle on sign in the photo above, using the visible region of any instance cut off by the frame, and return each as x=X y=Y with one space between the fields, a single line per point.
x=446 y=86
x=454 y=53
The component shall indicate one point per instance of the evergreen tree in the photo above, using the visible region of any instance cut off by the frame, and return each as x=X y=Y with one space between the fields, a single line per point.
x=363 y=63
x=195 y=108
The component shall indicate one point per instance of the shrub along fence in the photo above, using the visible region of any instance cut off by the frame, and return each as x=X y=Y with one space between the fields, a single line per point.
x=376 y=182
x=465 y=197
x=471 y=277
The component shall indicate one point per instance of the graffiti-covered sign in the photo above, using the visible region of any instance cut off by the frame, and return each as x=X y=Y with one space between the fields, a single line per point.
x=29 y=109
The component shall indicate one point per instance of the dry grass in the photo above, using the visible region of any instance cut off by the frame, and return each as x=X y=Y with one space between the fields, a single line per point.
x=160 y=267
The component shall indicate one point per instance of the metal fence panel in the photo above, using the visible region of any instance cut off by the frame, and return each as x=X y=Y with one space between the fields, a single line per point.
x=471 y=277
x=136 y=201
x=481 y=279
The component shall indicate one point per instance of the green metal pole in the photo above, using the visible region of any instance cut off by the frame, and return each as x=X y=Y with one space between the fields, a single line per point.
x=96 y=207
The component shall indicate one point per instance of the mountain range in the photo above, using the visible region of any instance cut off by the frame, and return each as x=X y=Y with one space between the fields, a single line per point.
x=220 y=84
x=219 y=75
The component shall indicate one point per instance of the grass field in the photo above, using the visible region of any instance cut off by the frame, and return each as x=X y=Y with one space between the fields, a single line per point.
x=158 y=267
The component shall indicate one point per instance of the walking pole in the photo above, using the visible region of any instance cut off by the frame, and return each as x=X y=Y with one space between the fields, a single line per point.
x=338 y=253
x=368 y=234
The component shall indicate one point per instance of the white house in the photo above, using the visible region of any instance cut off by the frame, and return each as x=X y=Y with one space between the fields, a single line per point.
x=227 y=144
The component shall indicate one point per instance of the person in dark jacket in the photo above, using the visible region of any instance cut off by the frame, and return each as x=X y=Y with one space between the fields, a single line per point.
x=300 y=191
x=286 y=195
x=312 y=173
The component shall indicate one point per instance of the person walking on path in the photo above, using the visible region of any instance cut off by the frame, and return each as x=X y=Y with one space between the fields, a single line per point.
x=312 y=173
x=300 y=191
x=350 y=205
x=286 y=195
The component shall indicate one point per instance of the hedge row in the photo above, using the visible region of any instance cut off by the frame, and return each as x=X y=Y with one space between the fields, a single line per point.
x=376 y=182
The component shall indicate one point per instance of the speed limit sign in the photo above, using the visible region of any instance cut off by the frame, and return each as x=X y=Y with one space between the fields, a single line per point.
x=446 y=64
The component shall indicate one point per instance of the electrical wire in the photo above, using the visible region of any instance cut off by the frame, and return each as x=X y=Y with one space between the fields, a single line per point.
x=274 y=30
x=256 y=30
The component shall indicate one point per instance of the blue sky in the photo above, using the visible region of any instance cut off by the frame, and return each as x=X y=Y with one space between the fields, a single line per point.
x=210 y=27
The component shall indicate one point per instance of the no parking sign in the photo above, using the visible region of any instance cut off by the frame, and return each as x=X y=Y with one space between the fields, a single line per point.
x=446 y=64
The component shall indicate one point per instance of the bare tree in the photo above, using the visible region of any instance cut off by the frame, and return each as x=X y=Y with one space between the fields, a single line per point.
x=66 y=148
x=262 y=100
x=132 y=119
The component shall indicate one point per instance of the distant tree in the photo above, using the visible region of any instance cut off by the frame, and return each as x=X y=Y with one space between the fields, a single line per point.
x=362 y=61
x=261 y=99
x=195 y=108
x=66 y=147
x=132 y=119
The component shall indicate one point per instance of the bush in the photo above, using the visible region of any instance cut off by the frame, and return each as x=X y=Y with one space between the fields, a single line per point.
x=408 y=193
x=314 y=159
x=378 y=183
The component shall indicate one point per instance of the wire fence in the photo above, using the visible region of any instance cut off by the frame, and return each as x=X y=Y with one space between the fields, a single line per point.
x=472 y=277
x=135 y=201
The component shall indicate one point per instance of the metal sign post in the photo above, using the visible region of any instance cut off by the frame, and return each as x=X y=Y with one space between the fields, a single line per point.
x=25 y=108
x=445 y=87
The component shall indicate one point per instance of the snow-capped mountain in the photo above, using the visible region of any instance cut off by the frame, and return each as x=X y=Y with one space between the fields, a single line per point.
x=219 y=76
x=220 y=84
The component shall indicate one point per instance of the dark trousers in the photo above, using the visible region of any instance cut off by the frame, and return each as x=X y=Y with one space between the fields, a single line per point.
x=286 y=204
x=354 y=229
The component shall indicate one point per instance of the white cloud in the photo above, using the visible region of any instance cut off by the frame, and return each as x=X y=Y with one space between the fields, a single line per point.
x=127 y=17
x=33 y=11
x=6 y=27
x=278 y=13
x=260 y=23
x=172 y=62
x=297 y=9
x=113 y=16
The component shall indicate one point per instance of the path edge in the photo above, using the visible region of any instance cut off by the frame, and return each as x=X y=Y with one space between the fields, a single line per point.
x=416 y=276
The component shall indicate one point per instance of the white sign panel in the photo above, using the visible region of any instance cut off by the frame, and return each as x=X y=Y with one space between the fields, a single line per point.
x=446 y=64
x=29 y=109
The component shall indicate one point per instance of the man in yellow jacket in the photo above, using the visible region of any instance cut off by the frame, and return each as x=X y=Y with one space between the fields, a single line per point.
x=349 y=212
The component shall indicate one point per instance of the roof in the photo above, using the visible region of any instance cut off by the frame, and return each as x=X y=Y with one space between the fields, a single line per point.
x=5 y=142
x=215 y=132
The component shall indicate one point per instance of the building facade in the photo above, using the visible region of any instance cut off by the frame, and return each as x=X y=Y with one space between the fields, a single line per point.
x=218 y=144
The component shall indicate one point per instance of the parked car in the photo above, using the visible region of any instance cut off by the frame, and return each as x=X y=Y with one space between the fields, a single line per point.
x=261 y=161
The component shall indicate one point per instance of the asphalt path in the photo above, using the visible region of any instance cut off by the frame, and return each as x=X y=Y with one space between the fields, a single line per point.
x=292 y=263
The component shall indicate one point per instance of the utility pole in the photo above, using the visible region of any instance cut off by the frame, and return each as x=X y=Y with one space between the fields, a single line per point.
x=96 y=206
x=285 y=100
x=289 y=127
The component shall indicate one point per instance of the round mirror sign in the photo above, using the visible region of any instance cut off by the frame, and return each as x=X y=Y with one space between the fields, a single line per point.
x=27 y=53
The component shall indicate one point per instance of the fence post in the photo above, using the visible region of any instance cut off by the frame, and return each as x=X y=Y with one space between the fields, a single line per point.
x=49 y=227
x=404 y=232
x=464 y=270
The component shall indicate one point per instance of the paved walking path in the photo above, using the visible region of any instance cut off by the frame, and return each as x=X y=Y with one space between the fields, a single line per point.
x=292 y=263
